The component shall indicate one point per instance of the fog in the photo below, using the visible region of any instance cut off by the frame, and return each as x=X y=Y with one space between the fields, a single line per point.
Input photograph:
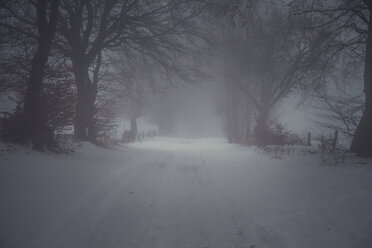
x=254 y=72
x=194 y=111
x=185 y=123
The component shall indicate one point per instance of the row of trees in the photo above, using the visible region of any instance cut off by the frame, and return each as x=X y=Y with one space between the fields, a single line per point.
x=69 y=62
x=41 y=38
x=306 y=48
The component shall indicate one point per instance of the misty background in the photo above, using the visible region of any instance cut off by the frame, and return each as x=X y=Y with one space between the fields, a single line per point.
x=185 y=123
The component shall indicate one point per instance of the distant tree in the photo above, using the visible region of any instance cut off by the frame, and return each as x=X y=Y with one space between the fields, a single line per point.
x=225 y=21
x=139 y=75
x=270 y=58
x=235 y=107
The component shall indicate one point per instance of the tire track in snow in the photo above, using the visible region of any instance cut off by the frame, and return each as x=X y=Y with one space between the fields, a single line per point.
x=88 y=212
x=243 y=231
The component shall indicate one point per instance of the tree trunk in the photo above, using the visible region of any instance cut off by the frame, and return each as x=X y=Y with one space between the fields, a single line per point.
x=362 y=139
x=87 y=89
x=233 y=125
x=246 y=127
x=262 y=129
x=32 y=99
x=84 y=125
x=133 y=126
x=32 y=113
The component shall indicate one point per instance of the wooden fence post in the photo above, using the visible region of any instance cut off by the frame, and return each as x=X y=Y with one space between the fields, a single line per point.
x=334 y=141
x=308 y=139
x=322 y=143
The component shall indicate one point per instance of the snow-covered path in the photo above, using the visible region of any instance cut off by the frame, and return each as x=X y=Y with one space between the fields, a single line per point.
x=181 y=193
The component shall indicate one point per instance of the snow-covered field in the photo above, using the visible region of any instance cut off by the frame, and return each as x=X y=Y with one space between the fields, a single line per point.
x=178 y=193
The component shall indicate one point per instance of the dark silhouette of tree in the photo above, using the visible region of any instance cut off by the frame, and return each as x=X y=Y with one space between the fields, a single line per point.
x=89 y=27
x=270 y=58
x=45 y=23
x=341 y=113
x=350 y=24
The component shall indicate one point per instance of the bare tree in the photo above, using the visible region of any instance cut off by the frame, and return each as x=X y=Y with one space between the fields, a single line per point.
x=270 y=58
x=89 y=27
x=340 y=112
x=45 y=22
x=350 y=24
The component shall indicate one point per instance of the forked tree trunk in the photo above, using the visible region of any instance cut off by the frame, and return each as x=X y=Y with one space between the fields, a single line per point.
x=362 y=139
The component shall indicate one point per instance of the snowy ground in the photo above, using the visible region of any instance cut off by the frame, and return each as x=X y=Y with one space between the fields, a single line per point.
x=178 y=193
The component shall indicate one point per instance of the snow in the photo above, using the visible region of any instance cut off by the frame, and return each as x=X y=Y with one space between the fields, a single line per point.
x=168 y=192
